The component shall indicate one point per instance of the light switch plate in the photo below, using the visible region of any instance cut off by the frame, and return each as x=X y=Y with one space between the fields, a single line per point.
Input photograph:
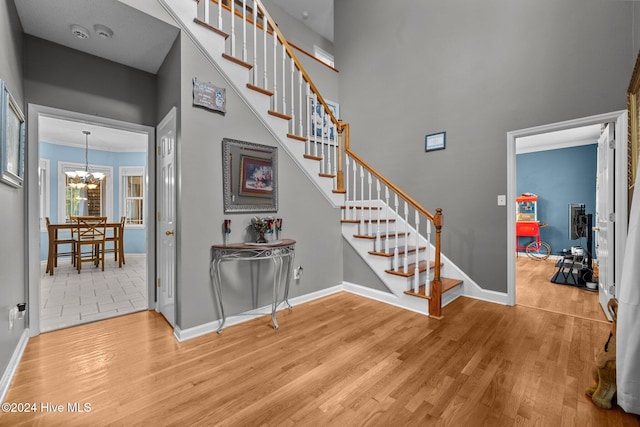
x=502 y=200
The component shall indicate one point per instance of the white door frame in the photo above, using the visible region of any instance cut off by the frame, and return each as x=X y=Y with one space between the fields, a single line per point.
x=620 y=119
x=33 y=199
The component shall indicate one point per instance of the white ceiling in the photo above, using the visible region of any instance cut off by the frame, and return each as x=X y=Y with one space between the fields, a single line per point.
x=560 y=139
x=67 y=132
x=139 y=40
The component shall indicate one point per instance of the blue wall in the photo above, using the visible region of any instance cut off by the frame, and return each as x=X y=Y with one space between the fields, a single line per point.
x=559 y=177
x=134 y=238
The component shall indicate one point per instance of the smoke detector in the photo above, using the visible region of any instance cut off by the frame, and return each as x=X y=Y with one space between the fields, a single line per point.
x=103 y=31
x=79 y=31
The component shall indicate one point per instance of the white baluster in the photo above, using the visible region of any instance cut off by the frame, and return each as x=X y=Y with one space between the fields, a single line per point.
x=309 y=118
x=244 y=30
x=220 y=15
x=346 y=186
x=300 y=130
x=265 y=79
x=275 y=72
x=203 y=11
x=370 y=204
x=254 y=70
x=314 y=124
x=387 y=216
x=233 y=29
x=362 y=227
x=325 y=144
x=406 y=233
x=354 y=210
x=293 y=104
x=416 y=271
x=334 y=132
x=396 y=255
x=378 y=241
x=284 y=79
x=428 y=256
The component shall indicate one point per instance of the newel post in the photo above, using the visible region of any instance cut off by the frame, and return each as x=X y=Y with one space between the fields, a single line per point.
x=343 y=132
x=435 y=303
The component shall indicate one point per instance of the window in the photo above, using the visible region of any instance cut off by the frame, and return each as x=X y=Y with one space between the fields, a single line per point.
x=43 y=186
x=132 y=191
x=84 y=201
x=323 y=55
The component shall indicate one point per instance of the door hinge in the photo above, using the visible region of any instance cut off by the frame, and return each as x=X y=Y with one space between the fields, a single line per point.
x=612 y=290
x=612 y=144
x=158 y=282
x=158 y=216
x=158 y=147
x=612 y=217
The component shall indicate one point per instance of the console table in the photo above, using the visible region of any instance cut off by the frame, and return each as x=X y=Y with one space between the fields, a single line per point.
x=278 y=252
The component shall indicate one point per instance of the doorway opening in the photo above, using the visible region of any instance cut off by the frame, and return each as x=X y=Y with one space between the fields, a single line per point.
x=125 y=152
x=619 y=122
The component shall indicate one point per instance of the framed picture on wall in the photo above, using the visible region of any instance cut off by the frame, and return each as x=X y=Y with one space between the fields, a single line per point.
x=12 y=127
x=435 y=141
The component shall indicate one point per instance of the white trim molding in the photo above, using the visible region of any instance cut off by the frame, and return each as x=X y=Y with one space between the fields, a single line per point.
x=8 y=374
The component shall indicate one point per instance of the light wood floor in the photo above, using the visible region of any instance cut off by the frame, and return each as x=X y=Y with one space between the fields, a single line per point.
x=342 y=360
x=534 y=289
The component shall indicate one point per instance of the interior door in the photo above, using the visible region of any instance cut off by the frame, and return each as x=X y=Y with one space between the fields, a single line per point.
x=166 y=214
x=604 y=224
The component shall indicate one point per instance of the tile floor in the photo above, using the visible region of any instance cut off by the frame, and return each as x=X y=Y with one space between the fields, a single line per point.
x=68 y=298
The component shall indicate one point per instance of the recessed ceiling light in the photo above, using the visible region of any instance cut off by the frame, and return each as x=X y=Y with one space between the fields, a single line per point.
x=305 y=14
x=79 y=31
x=103 y=31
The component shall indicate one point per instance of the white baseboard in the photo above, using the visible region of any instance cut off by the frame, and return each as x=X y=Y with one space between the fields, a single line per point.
x=385 y=297
x=8 y=373
x=207 y=328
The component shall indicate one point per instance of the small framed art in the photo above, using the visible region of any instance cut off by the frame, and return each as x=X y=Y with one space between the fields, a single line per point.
x=11 y=139
x=435 y=141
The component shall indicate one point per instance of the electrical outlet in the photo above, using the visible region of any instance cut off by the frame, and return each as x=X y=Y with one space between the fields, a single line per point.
x=297 y=272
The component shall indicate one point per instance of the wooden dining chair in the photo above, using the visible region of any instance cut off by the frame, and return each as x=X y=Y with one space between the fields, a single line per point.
x=89 y=231
x=117 y=240
x=52 y=258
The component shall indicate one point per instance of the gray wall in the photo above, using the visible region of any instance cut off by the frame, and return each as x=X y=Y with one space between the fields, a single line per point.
x=307 y=216
x=13 y=282
x=56 y=76
x=476 y=71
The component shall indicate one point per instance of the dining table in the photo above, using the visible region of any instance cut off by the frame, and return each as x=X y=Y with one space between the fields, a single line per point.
x=53 y=232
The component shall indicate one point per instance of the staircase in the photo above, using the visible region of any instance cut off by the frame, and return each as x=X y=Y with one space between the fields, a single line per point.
x=394 y=235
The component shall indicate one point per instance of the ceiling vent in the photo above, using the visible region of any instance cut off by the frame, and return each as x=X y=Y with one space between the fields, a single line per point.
x=80 y=32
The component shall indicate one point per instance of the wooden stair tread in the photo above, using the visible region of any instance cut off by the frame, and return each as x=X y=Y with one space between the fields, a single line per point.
x=401 y=251
x=237 y=61
x=260 y=89
x=297 y=137
x=447 y=284
x=360 y=207
x=279 y=115
x=422 y=267
x=209 y=27
x=367 y=221
x=309 y=156
x=373 y=236
x=327 y=175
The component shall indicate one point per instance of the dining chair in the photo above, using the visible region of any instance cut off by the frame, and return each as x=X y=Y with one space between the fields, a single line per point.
x=52 y=258
x=89 y=231
x=117 y=238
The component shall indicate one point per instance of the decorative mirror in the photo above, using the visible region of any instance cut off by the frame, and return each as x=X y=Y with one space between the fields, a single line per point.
x=250 y=177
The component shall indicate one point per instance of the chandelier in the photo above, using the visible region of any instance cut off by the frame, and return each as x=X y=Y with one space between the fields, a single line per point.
x=84 y=178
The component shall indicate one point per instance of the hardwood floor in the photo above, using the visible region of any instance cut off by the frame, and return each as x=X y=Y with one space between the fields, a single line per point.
x=534 y=289
x=342 y=360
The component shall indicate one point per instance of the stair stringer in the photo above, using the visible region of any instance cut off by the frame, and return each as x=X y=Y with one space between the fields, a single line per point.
x=212 y=46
